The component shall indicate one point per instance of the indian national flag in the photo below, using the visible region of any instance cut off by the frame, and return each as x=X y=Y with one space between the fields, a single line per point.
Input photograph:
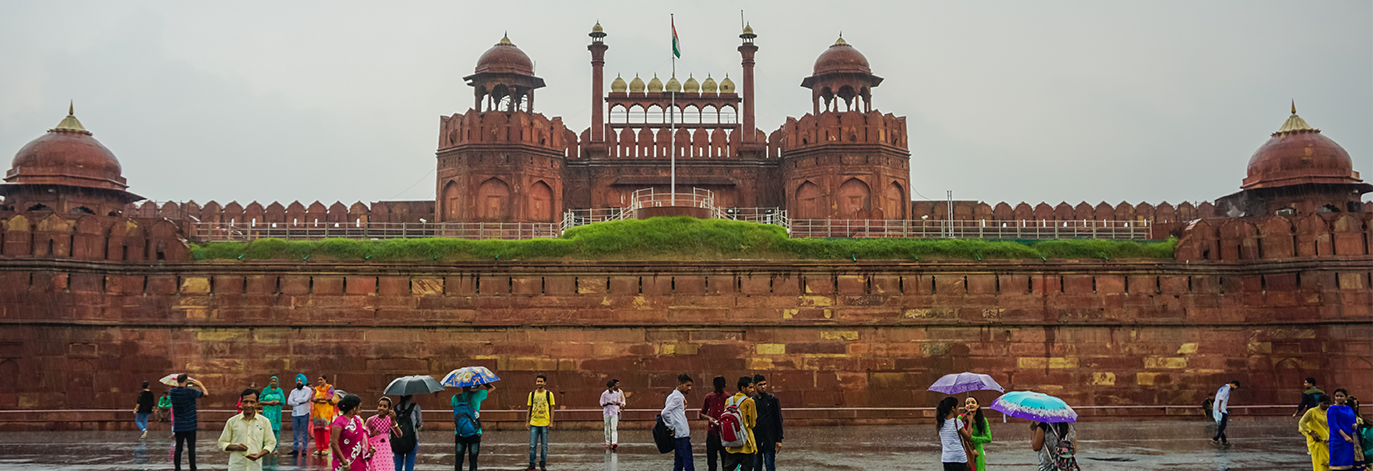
x=676 y=43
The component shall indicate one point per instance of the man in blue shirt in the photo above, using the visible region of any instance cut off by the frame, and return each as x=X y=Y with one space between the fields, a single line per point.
x=183 y=408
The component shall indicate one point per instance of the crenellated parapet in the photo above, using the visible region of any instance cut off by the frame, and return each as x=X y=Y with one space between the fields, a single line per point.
x=293 y=214
x=1308 y=236
x=500 y=128
x=49 y=235
x=839 y=127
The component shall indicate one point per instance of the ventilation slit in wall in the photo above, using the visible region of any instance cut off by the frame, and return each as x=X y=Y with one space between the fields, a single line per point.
x=543 y=286
x=1060 y=284
x=1094 y=285
x=1127 y=285
x=673 y=284
x=641 y=285
x=1263 y=284
x=934 y=287
x=965 y=284
x=1158 y=285
x=1189 y=284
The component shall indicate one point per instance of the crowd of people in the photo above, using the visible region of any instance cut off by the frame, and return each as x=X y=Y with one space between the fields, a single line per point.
x=388 y=440
x=1337 y=435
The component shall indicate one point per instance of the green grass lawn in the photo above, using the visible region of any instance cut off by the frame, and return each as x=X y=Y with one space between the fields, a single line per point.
x=677 y=238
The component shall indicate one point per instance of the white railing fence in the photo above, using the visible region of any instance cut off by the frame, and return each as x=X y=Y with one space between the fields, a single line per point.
x=976 y=229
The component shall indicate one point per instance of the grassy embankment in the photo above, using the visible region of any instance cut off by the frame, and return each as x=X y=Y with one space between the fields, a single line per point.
x=677 y=238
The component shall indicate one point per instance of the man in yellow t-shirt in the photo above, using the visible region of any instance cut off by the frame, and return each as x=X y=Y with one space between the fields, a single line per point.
x=540 y=419
x=737 y=457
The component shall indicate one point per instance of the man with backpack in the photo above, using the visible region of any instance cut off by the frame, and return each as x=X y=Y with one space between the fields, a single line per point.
x=467 y=426
x=674 y=417
x=540 y=420
x=711 y=410
x=404 y=447
x=769 y=430
x=736 y=428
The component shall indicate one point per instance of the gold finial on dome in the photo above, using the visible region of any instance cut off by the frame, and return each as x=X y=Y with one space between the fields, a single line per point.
x=673 y=85
x=655 y=85
x=506 y=40
x=692 y=86
x=726 y=85
x=841 y=41
x=1295 y=124
x=709 y=85
x=748 y=28
x=636 y=85
x=70 y=123
x=597 y=28
x=619 y=85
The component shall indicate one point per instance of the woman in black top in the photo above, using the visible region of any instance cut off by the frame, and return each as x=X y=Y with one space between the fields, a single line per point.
x=143 y=409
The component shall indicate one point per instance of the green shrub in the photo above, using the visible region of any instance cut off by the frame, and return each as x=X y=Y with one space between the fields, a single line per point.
x=679 y=238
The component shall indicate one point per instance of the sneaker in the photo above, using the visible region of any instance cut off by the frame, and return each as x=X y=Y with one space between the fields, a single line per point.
x=144 y=435
x=607 y=448
x=615 y=447
x=1215 y=442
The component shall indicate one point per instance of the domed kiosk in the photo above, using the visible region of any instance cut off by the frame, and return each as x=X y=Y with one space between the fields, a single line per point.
x=841 y=73
x=66 y=171
x=1298 y=171
x=504 y=79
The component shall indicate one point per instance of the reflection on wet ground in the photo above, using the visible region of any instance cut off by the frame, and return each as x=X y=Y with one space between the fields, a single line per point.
x=1258 y=444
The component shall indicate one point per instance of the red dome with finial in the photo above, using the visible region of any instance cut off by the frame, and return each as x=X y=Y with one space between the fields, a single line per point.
x=841 y=58
x=505 y=58
x=1299 y=154
x=66 y=155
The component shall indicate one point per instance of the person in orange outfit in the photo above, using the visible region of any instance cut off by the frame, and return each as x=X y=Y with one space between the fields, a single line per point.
x=322 y=414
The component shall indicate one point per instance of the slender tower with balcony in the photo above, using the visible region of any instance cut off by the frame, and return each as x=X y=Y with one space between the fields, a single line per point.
x=597 y=48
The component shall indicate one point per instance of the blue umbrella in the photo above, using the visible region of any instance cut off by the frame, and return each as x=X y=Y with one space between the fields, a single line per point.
x=469 y=376
x=1034 y=406
x=964 y=382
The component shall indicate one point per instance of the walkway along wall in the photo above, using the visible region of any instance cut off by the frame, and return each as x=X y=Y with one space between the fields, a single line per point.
x=84 y=334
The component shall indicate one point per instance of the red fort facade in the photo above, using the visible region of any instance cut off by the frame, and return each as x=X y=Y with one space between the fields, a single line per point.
x=1268 y=285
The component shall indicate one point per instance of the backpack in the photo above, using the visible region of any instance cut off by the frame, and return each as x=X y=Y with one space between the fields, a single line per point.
x=1062 y=450
x=732 y=433
x=661 y=438
x=465 y=420
x=406 y=442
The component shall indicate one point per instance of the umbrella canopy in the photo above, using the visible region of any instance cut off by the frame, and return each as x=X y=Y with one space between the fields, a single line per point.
x=412 y=385
x=469 y=376
x=964 y=382
x=1034 y=406
x=170 y=379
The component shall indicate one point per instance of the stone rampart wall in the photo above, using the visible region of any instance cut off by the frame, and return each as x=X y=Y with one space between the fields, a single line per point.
x=827 y=334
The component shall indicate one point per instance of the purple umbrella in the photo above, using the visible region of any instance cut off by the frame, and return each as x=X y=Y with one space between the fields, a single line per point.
x=964 y=382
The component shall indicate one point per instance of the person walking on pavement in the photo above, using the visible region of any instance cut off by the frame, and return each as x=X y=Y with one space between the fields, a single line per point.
x=186 y=423
x=1313 y=425
x=741 y=457
x=674 y=417
x=540 y=415
x=979 y=431
x=769 y=430
x=299 y=400
x=270 y=401
x=1221 y=412
x=142 y=409
x=247 y=436
x=470 y=399
x=322 y=413
x=711 y=409
x=409 y=420
x=1343 y=433
x=954 y=440
x=611 y=401
x=1310 y=397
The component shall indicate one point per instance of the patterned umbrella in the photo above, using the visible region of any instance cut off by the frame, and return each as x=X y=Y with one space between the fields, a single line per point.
x=170 y=379
x=469 y=376
x=1034 y=406
x=964 y=382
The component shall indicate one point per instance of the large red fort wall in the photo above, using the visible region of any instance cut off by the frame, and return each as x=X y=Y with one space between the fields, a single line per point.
x=828 y=334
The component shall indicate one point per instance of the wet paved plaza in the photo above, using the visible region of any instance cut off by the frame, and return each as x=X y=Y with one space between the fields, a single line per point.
x=1258 y=444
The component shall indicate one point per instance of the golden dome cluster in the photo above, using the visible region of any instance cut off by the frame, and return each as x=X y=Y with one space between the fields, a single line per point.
x=656 y=85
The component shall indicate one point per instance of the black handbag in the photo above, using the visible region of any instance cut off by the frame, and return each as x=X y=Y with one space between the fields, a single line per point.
x=662 y=438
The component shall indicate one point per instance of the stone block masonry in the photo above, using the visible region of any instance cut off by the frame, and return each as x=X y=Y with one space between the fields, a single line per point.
x=828 y=334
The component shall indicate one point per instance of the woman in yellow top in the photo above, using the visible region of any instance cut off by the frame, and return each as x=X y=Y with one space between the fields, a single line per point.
x=322 y=414
x=1312 y=425
x=735 y=456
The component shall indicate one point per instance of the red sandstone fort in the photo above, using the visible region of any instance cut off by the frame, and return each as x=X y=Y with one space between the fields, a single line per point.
x=1268 y=285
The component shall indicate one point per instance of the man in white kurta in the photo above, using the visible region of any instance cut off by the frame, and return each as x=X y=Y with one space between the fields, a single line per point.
x=247 y=437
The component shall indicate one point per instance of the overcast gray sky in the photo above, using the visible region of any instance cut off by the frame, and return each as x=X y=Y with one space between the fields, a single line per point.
x=1015 y=101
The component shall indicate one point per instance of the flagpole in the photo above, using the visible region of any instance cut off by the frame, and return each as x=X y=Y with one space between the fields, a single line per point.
x=672 y=112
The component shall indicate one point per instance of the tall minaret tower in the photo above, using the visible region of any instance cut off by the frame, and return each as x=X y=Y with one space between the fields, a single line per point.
x=747 y=49
x=597 y=48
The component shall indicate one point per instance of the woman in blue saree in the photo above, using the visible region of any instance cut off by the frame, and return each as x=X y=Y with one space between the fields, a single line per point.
x=1344 y=434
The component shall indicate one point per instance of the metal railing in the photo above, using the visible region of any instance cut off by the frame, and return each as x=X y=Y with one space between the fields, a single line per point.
x=227 y=232
x=977 y=229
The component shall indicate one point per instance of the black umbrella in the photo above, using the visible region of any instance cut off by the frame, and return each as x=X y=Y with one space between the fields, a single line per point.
x=412 y=385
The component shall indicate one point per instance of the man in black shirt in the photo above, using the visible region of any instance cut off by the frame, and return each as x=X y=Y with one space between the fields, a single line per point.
x=185 y=423
x=1310 y=397
x=143 y=409
x=769 y=428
